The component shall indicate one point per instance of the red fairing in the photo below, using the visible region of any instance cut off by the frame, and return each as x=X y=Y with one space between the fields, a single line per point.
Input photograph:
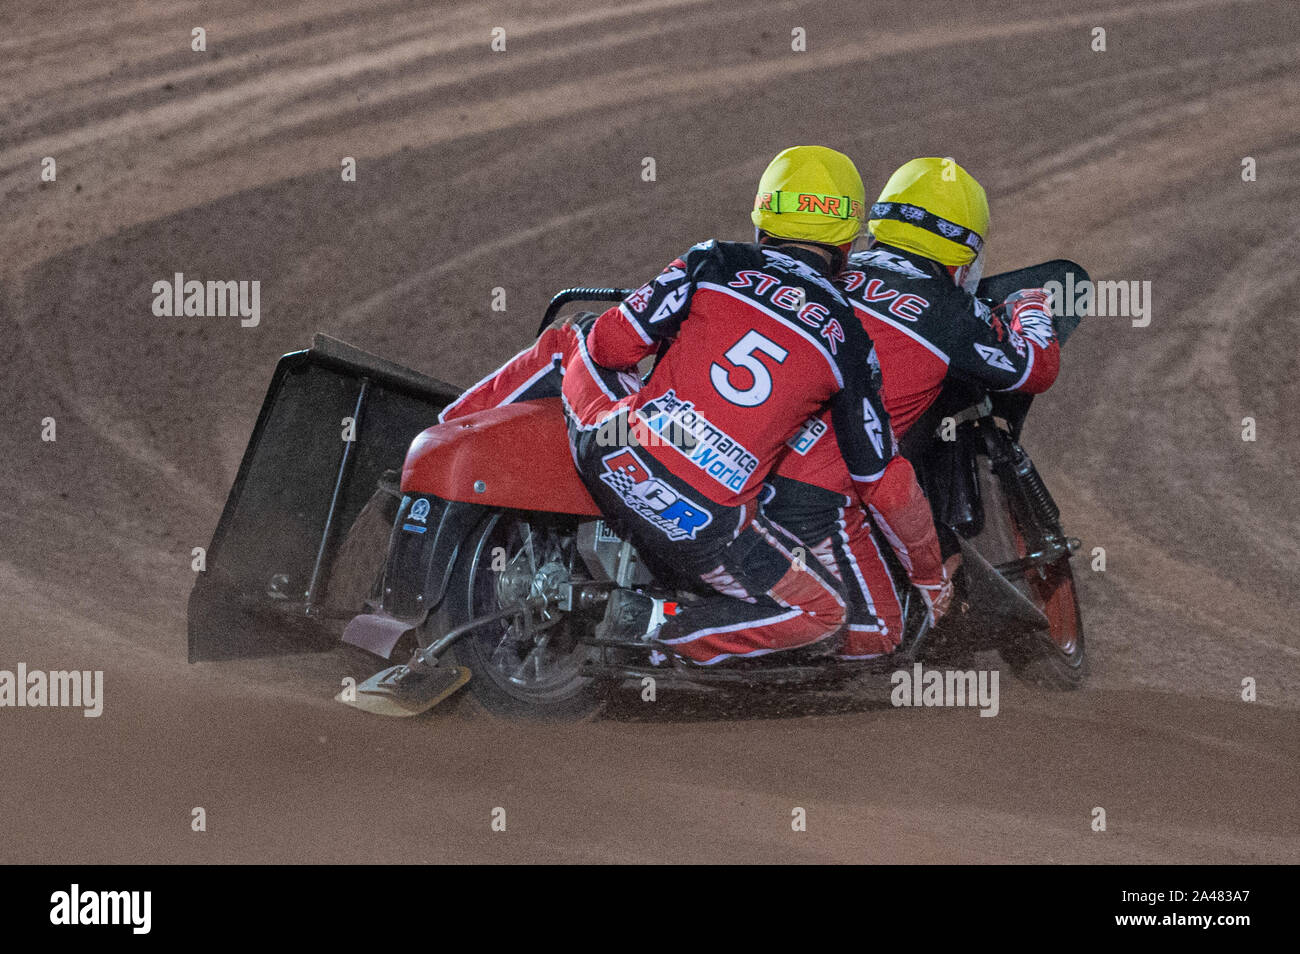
x=519 y=453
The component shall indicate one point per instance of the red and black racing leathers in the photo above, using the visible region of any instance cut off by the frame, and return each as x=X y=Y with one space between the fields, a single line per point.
x=754 y=341
x=924 y=327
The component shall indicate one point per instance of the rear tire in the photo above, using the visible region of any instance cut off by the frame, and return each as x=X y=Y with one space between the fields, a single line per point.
x=529 y=671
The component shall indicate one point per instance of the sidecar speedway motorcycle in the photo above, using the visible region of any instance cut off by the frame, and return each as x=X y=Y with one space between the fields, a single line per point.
x=472 y=551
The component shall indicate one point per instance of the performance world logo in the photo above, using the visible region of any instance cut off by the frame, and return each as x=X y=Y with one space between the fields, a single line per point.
x=809 y=433
x=76 y=907
x=693 y=436
x=651 y=499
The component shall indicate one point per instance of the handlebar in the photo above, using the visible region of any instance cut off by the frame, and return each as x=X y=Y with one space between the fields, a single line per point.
x=580 y=294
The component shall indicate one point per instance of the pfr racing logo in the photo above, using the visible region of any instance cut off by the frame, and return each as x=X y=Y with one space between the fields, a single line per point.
x=651 y=499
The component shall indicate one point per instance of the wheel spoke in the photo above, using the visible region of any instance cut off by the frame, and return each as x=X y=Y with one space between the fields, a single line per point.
x=531 y=655
x=503 y=647
x=528 y=545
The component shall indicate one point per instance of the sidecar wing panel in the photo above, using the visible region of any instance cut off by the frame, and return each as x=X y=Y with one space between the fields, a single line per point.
x=334 y=419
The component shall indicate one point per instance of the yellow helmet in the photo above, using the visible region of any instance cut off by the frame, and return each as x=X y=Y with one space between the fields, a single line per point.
x=935 y=208
x=811 y=193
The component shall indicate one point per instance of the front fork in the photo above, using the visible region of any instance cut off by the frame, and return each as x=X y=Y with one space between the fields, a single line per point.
x=1035 y=513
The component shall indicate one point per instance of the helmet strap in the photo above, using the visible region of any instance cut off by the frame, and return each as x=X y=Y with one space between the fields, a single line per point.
x=923 y=219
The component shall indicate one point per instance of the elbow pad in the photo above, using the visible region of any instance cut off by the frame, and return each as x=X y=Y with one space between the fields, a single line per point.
x=614 y=342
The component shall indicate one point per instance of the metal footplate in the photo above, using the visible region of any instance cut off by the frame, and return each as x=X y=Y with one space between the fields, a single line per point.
x=425 y=681
x=405 y=690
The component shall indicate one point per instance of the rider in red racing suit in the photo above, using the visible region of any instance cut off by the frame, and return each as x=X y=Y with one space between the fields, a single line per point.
x=925 y=326
x=753 y=340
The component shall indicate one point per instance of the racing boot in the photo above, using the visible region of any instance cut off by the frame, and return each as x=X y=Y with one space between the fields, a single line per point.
x=631 y=616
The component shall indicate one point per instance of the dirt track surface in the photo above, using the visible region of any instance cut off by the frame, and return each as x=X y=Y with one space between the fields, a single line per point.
x=522 y=169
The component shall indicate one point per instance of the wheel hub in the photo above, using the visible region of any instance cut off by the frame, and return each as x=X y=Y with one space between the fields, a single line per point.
x=519 y=581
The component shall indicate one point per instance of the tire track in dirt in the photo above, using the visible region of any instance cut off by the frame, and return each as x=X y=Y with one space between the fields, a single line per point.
x=1117 y=160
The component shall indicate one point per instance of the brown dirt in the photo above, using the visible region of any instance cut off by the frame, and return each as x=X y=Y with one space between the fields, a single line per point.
x=522 y=170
